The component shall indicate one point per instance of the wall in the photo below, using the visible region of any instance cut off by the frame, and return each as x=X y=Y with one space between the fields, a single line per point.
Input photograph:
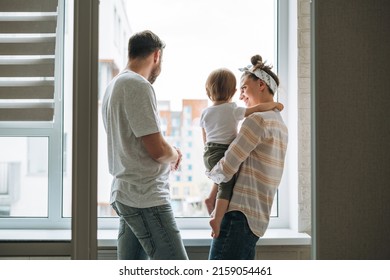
x=194 y=253
x=304 y=119
x=295 y=252
x=351 y=175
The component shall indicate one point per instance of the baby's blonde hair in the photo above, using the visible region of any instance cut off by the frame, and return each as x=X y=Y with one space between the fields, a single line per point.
x=221 y=85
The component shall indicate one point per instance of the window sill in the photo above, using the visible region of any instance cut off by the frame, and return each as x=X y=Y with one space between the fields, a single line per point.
x=191 y=238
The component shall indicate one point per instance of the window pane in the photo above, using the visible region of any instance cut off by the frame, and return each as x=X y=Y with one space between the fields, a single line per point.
x=24 y=176
x=200 y=36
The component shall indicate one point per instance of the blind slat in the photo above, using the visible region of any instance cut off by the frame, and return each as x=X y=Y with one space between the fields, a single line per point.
x=28 y=5
x=44 y=48
x=27 y=68
x=27 y=105
x=27 y=38
x=28 y=26
x=37 y=92
x=21 y=114
x=26 y=89
x=38 y=70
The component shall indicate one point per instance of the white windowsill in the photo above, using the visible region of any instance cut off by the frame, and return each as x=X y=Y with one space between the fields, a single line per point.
x=107 y=238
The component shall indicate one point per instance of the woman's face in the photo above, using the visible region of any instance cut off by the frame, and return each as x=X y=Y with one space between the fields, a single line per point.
x=249 y=91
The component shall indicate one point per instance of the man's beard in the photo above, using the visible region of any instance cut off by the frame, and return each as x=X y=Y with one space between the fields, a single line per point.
x=155 y=73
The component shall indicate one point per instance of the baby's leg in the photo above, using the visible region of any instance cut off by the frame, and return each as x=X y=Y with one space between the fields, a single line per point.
x=210 y=200
x=221 y=206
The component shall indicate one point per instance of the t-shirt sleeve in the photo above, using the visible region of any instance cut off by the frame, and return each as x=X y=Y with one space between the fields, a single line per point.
x=141 y=110
x=201 y=121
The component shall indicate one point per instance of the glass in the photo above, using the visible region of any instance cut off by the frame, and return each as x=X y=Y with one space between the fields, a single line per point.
x=24 y=177
x=200 y=36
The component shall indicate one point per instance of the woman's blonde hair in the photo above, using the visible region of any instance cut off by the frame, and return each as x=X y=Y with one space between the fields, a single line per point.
x=221 y=85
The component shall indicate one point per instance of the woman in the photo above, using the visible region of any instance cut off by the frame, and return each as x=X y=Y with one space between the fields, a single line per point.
x=257 y=154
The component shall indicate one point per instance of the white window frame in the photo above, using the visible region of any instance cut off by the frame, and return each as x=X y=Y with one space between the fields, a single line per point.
x=283 y=197
x=53 y=131
x=54 y=134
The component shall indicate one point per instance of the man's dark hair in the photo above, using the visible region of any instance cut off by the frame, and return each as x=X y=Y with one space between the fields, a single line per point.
x=144 y=43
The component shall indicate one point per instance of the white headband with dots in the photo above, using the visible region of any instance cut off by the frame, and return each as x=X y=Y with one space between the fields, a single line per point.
x=264 y=76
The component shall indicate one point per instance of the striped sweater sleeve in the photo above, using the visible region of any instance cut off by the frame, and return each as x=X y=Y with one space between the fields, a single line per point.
x=250 y=135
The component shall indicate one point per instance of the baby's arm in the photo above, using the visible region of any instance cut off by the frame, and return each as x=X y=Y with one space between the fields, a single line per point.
x=264 y=107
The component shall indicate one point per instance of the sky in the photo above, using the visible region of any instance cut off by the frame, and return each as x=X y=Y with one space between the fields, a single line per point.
x=201 y=36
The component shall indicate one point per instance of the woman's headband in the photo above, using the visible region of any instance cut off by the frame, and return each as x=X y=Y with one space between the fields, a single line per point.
x=262 y=75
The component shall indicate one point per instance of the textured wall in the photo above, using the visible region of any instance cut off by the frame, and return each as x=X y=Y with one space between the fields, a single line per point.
x=304 y=122
x=352 y=139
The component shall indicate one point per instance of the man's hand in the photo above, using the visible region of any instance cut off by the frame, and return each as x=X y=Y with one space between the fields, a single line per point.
x=175 y=165
x=159 y=149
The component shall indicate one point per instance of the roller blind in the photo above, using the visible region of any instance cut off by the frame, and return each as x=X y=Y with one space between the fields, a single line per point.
x=27 y=59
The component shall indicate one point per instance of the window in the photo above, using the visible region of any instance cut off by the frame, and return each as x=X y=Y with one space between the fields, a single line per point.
x=31 y=113
x=36 y=43
x=199 y=38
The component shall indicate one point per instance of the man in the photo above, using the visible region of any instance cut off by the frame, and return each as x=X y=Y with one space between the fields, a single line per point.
x=140 y=159
x=257 y=154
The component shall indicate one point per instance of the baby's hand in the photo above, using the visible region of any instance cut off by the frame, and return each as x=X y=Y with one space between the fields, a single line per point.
x=279 y=106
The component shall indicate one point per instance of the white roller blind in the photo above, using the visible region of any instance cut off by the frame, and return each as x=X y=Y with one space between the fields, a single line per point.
x=27 y=59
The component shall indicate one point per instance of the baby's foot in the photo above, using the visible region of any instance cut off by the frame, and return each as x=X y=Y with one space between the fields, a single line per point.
x=215 y=227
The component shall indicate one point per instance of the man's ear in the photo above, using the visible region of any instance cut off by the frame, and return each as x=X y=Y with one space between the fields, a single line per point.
x=157 y=56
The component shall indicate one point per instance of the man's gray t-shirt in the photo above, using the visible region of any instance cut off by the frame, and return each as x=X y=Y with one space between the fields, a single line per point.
x=130 y=112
